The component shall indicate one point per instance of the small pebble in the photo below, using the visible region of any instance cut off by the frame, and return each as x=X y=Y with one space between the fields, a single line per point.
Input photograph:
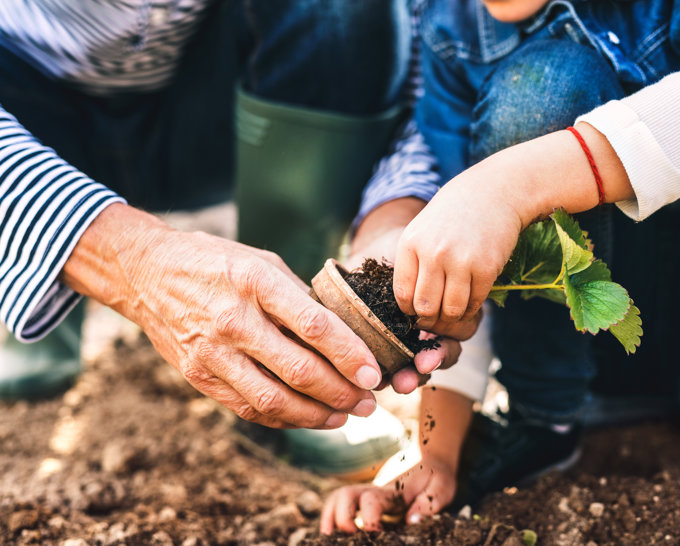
x=465 y=512
x=596 y=509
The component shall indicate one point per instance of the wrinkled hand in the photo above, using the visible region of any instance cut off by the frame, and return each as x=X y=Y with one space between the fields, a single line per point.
x=423 y=490
x=235 y=321
x=449 y=256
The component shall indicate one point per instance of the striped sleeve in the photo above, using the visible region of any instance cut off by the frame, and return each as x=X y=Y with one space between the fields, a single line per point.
x=45 y=206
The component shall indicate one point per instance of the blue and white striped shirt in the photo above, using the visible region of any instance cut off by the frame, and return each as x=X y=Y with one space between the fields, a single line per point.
x=104 y=46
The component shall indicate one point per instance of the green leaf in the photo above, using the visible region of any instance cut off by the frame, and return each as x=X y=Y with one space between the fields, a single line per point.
x=512 y=272
x=576 y=258
x=537 y=258
x=543 y=253
x=498 y=297
x=571 y=227
x=596 y=303
x=598 y=271
x=629 y=330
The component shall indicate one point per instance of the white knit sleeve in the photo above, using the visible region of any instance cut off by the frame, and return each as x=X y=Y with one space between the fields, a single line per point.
x=644 y=130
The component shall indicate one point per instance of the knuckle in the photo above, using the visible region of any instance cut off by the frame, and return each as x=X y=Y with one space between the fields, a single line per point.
x=299 y=374
x=474 y=306
x=409 y=238
x=270 y=402
x=251 y=274
x=343 y=399
x=196 y=375
x=246 y=412
x=346 y=354
x=425 y=308
x=230 y=321
x=312 y=322
x=401 y=292
x=452 y=312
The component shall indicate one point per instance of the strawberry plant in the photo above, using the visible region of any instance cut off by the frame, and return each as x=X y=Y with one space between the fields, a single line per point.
x=554 y=260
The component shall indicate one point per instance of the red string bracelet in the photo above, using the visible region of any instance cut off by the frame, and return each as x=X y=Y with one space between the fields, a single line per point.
x=589 y=155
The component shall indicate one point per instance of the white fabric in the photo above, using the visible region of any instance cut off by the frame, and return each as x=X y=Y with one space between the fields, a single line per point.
x=470 y=375
x=644 y=130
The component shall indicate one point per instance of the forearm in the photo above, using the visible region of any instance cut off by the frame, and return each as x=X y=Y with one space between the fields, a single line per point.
x=445 y=417
x=553 y=171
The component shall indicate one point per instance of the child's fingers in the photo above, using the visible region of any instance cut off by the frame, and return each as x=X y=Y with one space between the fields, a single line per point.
x=373 y=503
x=456 y=294
x=336 y=510
x=437 y=494
x=405 y=277
x=460 y=330
x=327 y=523
x=346 y=506
x=427 y=297
x=479 y=290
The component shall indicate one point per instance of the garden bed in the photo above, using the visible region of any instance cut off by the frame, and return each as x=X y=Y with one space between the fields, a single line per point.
x=132 y=455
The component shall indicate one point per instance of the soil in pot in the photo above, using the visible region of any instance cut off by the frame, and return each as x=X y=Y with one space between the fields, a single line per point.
x=373 y=284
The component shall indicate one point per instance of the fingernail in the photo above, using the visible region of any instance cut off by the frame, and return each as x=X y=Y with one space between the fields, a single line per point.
x=368 y=377
x=364 y=408
x=337 y=419
x=414 y=518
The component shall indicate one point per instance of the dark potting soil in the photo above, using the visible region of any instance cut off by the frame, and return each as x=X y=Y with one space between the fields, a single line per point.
x=373 y=284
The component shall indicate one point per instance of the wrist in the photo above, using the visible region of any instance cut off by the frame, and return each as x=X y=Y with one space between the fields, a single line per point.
x=553 y=171
x=108 y=262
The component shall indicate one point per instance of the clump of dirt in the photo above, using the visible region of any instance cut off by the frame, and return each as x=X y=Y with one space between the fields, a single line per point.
x=373 y=284
x=438 y=530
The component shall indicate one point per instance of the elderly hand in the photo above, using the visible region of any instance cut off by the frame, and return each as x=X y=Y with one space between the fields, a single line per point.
x=235 y=321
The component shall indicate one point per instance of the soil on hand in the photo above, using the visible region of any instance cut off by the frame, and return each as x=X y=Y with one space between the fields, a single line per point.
x=132 y=455
x=373 y=284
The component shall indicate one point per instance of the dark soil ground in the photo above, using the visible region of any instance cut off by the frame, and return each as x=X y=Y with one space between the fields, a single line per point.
x=132 y=455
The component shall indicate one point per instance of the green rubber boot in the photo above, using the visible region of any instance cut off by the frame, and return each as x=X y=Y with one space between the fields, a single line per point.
x=45 y=368
x=300 y=173
x=299 y=176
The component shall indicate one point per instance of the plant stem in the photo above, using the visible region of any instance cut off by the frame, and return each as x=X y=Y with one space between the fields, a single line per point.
x=527 y=287
x=546 y=286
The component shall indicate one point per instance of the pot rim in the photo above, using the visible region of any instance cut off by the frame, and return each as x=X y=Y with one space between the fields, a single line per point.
x=334 y=268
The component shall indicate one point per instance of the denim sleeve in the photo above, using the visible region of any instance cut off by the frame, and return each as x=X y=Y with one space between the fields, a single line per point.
x=45 y=206
x=408 y=170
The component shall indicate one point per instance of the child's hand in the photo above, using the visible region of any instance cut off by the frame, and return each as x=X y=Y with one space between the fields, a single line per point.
x=449 y=256
x=423 y=490
x=377 y=237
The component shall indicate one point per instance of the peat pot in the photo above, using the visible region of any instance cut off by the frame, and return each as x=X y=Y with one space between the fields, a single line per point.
x=330 y=289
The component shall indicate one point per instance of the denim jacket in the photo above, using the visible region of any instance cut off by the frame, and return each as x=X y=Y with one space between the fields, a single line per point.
x=462 y=43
